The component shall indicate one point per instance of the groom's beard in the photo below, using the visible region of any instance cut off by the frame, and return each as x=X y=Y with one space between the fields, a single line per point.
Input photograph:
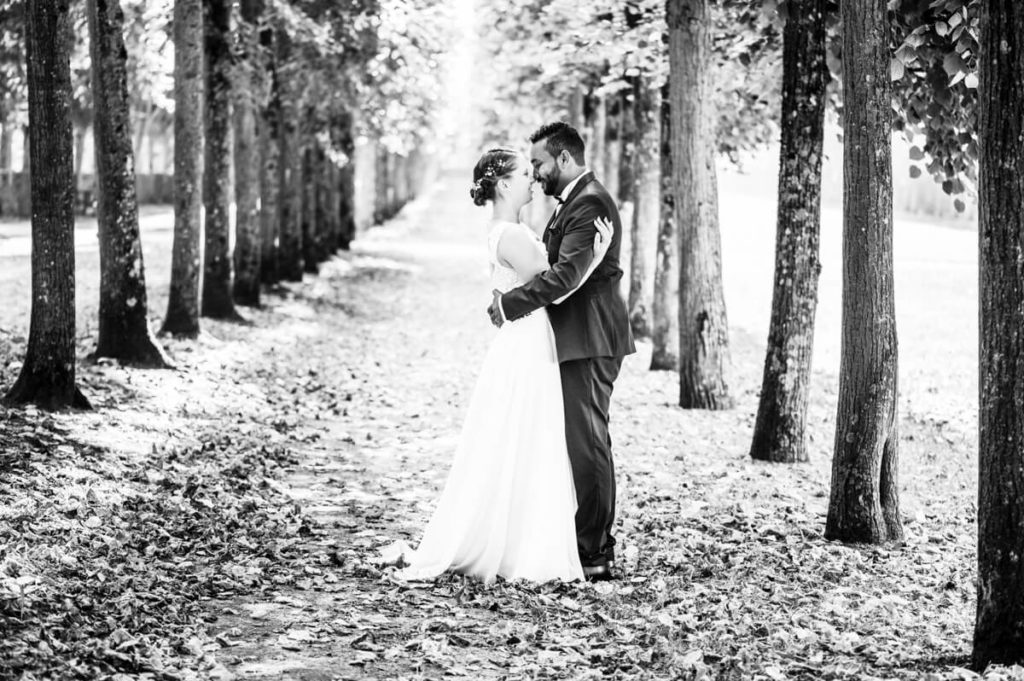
x=550 y=183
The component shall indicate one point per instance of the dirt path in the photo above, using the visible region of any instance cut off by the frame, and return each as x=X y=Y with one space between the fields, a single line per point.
x=226 y=520
x=725 y=570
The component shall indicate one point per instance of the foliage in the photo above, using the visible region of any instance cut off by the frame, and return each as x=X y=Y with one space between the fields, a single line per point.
x=542 y=51
x=13 y=83
x=404 y=85
x=934 y=69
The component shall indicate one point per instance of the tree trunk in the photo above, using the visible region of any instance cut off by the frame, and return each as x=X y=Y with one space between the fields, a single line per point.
x=47 y=376
x=327 y=203
x=124 y=331
x=864 y=504
x=310 y=229
x=270 y=171
x=79 y=152
x=780 y=430
x=248 y=163
x=23 y=189
x=665 y=306
x=598 y=125
x=6 y=147
x=380 y=182
x=703 y=326
x=646 y=208
x=217 y=191
x=999 y=626
x=612 y=146
x=576 y=108
x=289 y=259
x=183 y=303
x=347 y=178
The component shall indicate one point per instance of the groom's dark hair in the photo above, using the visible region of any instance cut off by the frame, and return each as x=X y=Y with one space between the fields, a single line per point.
x=559 y=137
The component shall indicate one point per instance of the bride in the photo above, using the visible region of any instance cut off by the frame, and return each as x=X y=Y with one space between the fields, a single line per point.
x=508 y=505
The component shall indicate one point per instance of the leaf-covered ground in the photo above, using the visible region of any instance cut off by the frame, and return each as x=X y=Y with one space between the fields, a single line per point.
x=228 y=519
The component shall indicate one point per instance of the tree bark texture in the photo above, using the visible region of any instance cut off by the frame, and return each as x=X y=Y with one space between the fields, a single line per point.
x=311 y=246
x=598 y=125
x=780 y=431
x=703 y=325
x=217 y=191
x=864 y=503
x=248 y=162
x=383 y=187
x=327 y=203
x=647 y=206
x=347 y=179
x=47 y=376
x=124 y=331
x=183 y=304
x=6 y=147
x=612 y=145
x=665 y=305
x=289 y=258
x=270 y=173
x=999 y=624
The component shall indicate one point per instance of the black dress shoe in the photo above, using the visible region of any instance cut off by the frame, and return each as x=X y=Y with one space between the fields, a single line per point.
x=599 y=573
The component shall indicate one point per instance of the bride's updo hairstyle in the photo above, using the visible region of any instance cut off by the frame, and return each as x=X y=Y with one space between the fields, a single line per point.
x=494 y=165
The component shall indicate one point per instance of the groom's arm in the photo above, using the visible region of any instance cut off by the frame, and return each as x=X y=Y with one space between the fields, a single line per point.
x=574 y=256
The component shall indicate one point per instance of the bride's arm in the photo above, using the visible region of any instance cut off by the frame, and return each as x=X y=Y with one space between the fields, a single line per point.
x=518 y=249
x=602 y=240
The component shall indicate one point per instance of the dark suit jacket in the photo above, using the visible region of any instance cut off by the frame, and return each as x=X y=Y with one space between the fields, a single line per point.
x=593 y=321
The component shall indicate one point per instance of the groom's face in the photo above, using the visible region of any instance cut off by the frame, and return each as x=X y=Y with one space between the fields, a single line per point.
x=546 y=169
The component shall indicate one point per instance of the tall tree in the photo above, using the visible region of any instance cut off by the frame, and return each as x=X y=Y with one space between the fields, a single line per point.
x=47 y=376
x=780 y=428
x=999 y=627
x=311 y=237
x=217 y=195
x=665 y=306
x=183 y=304
x=270 y=148
x=864 y=502
x=347 y=147
x=703 y=327
x=124 y=331
x=248 y=161
x=644 y=229
x=289 y=251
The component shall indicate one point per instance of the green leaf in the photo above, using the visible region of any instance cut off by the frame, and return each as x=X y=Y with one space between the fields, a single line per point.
x=915 y=172
x=915 y=153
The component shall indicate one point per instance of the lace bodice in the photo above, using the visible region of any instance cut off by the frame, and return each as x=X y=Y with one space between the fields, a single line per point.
x=504 y=278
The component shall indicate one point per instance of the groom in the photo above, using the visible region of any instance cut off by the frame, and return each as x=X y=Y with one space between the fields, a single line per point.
x=591 y=328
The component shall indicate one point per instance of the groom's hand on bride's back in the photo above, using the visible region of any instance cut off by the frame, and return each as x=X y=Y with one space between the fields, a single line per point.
x=494 y=310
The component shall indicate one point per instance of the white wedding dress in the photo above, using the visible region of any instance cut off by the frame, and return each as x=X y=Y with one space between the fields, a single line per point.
x=509 y=503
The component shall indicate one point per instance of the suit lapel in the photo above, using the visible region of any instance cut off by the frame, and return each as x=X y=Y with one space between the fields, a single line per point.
x=557 y=216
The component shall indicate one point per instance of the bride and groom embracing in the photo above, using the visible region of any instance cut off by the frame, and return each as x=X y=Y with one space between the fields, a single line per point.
x=534 y=452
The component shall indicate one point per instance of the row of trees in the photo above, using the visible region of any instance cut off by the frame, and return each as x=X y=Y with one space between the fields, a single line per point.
x=696 y=78
x=268 y=99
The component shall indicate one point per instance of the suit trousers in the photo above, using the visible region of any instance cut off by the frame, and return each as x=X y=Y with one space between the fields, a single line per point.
x=587 y=392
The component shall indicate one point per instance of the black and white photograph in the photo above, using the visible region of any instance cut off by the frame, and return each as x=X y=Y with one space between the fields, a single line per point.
x=409 y=340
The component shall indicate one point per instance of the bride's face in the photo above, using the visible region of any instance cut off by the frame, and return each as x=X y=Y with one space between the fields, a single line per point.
x=519 y=189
